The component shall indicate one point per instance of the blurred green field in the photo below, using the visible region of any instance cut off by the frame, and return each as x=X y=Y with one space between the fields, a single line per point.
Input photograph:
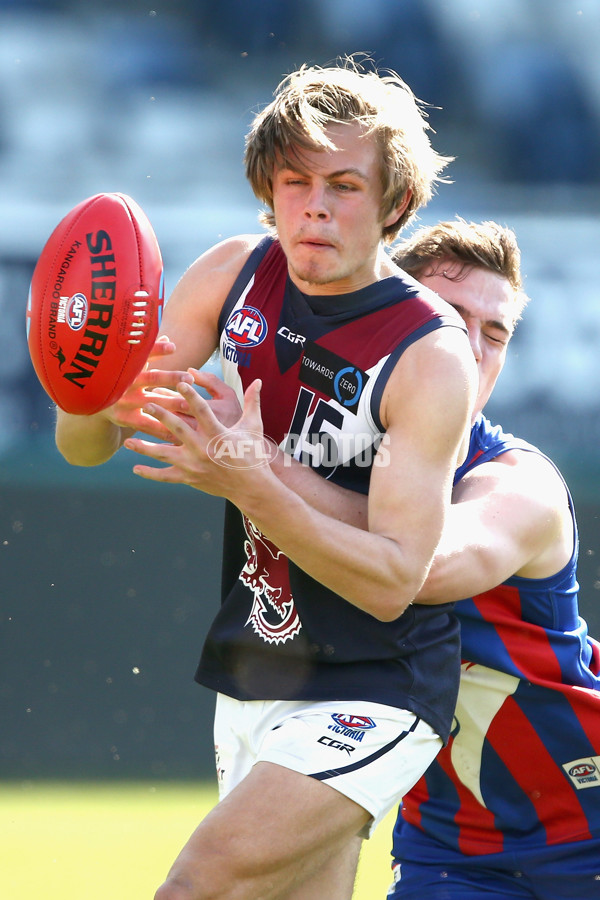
x=72 y=841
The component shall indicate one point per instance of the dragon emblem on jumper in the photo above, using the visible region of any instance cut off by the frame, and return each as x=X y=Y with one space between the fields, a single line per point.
x=273 y=615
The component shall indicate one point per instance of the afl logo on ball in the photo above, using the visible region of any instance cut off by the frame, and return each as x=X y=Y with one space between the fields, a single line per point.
x=76 y=312
x=246 y=327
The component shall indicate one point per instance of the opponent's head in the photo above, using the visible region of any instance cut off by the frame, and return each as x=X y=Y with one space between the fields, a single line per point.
x=313 y=98
x=476 y=268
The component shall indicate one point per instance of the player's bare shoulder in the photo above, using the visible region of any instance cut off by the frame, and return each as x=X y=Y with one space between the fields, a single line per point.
x=442 y=368
x=533 y=474
x=198 y=296
x=546 y=499
x=231 y=251
x=217 y=268
x=191 y=314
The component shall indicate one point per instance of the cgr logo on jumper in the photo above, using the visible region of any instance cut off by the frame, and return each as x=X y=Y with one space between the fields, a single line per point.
x=332 y=375
x=350 y=726
x=585 y=772
x=246 y=327
x=336 y=745
x=291 y=336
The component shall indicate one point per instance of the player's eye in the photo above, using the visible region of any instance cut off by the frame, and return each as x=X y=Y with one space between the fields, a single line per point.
x=496 y=339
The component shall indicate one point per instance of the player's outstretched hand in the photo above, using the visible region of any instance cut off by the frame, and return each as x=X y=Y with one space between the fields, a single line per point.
x=204 y=453
x=152 y=384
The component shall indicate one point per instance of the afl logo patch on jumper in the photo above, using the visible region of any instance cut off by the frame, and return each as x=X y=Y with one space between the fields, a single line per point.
x=332 y=375
x=584 y=773
x=246 y=328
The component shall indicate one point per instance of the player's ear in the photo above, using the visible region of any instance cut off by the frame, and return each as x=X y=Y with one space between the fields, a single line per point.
x=398 y=210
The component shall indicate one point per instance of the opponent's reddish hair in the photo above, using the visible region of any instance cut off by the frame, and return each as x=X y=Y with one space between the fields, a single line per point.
x=486 y=245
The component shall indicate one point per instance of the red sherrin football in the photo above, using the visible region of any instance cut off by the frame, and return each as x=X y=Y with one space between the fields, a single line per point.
x=95 y=303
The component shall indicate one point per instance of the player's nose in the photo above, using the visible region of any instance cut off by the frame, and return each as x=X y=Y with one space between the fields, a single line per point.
x=316 y=203
x=475 y=341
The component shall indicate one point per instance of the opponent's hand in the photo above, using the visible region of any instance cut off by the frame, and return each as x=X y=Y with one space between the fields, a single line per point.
x=152 y=384
x=193 y=457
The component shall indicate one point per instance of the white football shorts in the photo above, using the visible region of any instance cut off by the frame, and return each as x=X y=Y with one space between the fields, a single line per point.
x=370 y=752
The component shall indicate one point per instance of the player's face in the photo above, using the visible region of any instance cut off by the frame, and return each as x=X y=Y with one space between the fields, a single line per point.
x=485 y=301
x=327 y=214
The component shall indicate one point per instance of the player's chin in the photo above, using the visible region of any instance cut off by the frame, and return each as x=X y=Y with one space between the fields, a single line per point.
x=315 y=272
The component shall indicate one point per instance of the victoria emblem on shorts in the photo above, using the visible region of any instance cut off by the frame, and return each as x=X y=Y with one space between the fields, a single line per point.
x=246 y=327
x=351 y=721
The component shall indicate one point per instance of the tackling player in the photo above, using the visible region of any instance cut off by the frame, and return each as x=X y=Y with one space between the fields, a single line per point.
x=510 y=808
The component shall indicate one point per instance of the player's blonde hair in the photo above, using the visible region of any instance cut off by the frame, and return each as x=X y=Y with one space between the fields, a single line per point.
x=486 y=245
x=312 y=98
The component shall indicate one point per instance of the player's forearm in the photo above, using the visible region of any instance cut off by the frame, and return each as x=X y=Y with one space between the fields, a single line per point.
x=484 y=541
x=87 y=440
x=461 y=560
x=323 y=495
x=445 y=581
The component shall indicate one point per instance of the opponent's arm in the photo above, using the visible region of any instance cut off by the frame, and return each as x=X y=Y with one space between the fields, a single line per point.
x=508 y=517
x=190 y=320
x=379 y=570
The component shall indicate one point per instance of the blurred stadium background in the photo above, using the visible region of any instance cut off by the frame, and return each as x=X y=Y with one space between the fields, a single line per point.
x=107 y=583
